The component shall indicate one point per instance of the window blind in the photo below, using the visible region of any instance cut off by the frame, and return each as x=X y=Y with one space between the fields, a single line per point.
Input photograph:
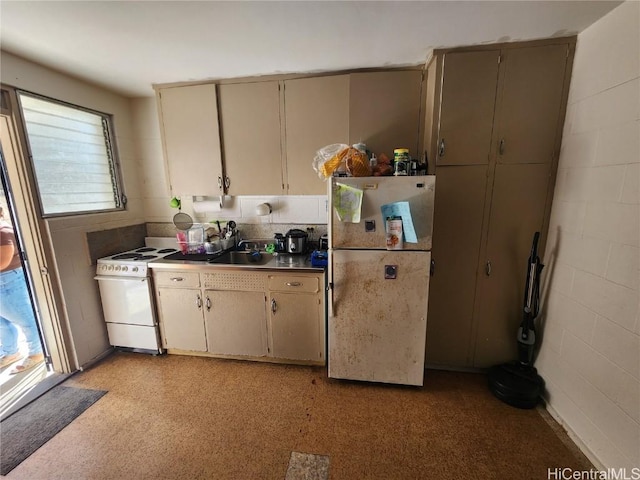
x=72 y=157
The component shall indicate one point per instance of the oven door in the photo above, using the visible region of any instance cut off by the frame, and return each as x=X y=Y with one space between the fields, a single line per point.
x=127 y=300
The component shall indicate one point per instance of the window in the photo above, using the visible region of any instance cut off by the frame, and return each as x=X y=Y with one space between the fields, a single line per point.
x=73 y=157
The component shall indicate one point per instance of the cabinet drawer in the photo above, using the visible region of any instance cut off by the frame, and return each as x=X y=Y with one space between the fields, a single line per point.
x=294 y=283
x=177 y=279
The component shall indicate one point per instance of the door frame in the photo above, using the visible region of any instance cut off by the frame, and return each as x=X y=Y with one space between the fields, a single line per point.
x=35 y=240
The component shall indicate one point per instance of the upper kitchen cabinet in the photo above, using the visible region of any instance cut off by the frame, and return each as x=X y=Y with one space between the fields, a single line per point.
x=316 y=114
x=250 y=126
x=530 y=101
x=190 y=131
x=269 y=130
x=384 y=110
x=467 y=103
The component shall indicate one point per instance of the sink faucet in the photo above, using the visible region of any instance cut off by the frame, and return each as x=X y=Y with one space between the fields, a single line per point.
x=254 y=244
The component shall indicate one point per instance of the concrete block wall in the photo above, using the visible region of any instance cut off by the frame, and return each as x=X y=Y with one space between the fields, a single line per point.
x=590 y=353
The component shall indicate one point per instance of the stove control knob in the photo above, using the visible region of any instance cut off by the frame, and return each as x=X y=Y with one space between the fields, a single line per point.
x=117 y=268
x=124 y=269
x=110 y=267
x=134 y=269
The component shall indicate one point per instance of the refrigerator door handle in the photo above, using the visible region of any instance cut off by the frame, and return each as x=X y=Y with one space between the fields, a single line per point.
x=330 y=298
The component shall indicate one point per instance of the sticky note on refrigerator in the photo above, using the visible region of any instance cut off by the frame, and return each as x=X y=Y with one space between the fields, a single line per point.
x=401 y=209
x=347 y=202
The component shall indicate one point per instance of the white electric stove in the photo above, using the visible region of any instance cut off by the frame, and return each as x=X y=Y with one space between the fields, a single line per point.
x=127 y=297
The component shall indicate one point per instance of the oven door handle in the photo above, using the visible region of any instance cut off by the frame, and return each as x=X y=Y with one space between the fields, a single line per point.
x=119 y=279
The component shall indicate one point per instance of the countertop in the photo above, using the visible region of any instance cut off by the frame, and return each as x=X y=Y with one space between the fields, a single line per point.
x=279 y=261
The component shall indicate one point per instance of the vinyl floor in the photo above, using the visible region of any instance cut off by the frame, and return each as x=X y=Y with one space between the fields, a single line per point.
x=180 y=417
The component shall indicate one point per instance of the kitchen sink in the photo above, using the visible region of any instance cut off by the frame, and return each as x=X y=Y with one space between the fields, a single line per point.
x=242 y=258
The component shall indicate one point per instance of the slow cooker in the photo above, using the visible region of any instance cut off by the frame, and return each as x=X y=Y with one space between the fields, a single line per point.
x=296 y=241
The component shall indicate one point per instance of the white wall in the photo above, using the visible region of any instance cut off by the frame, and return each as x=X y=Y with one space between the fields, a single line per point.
x=590 y=353
x=68 y=235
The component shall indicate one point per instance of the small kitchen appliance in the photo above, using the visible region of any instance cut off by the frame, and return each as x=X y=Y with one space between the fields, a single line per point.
x=127 y=298
x=323 y=243
x=296 y=241
x=319 y=258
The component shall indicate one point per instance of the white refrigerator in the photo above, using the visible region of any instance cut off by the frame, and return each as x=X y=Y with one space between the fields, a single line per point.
x=378 y=298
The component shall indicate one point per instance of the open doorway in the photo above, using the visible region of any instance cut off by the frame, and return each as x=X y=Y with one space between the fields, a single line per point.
x=23 y=352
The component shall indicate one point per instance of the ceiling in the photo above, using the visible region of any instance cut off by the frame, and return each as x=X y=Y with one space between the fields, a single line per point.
x=126 y=46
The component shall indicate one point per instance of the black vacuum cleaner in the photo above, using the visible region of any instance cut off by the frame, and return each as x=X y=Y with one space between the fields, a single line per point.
x=518 y=383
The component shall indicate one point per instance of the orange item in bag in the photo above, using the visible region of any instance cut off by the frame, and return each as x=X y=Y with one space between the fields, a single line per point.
x=357 y=163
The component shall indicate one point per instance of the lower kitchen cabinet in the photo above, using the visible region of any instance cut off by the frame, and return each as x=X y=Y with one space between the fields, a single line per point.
x=296 y=317
x=179 y=301
x=181 y=326
x=236 y=323
x=257 y=315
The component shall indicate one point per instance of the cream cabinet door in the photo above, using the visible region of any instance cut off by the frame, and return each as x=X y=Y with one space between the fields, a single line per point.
x=236 y=323
x=466 y=107
x=189 y=125
x=250 y=125
x=181 y=319
x=384 y=110
x=296 y=325
x=316 y=115
x=517 y=212
x=529 y=105
x=457 y=228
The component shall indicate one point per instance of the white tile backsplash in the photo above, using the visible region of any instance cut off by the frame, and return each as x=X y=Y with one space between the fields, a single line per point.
x=302 y=209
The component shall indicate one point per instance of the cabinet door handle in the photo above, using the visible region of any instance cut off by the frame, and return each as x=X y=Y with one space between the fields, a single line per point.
x=488 y=268
x=208 y=303
x=274 y=306
x=501 y=147
x=293 y=284
x=198 y=301
x=176 y=279
x=227 y=182
x=441 y=148
x=219 y=182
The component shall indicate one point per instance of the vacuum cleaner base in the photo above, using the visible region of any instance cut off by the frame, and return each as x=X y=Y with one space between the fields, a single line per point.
x=516 y=384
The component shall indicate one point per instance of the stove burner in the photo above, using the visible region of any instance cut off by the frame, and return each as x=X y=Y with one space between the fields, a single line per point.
x=167 y=250
x=145 y=257
x=127 y=256
x=145 y=249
